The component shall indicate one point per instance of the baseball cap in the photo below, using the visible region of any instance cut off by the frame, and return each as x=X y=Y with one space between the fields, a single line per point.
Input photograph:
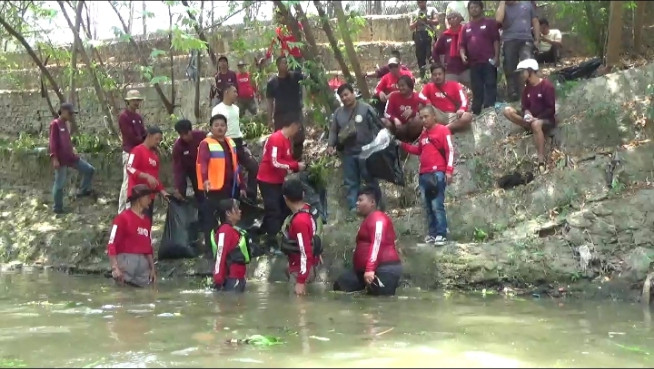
x=241 y=62
x=393 y=61
x=527 y=64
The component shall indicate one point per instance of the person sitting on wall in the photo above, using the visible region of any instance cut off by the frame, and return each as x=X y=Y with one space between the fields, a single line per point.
x=550 y=44
x=388 y=84
x=130 y=242
x=377 y=266
x=231 y=249
x=402 y=109
x=538 y=114
x=448 y=97
x=385 y=69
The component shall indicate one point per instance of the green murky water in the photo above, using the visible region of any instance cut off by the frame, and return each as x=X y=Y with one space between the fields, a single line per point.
x=50 y=319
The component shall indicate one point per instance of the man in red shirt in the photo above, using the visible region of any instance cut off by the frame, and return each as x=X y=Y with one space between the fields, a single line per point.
x=230 y=249
x=377 y=265
x=299 y=234
x=143 y=166
x=247 y=91
x=130 y=242
x=63 y=155
x=276 y=162
x=132 y=132
x=448 y=97
x=402 y=110
x=538 y=114
x=388 y=83
x=436 y=168
x=224 y=78
x=185 y=154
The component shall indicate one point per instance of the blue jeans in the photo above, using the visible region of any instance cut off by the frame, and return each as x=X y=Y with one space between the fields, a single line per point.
x=436 y=218
x=354 y=171
x=84 y=168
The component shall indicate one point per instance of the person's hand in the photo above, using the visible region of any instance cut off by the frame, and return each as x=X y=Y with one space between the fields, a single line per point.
x=368 y=277
x=382 y=97
x=55 y=163
x=301 y=166
x=164 y=195
x=153 y=276
x=397 y=122
x=152 y=182
x=300 y=289
x=178 y=196
x=117 y=274
x=407 y=113
x=496 y=61
x=331 y=150
x=528 y=117
x=207 y=185
x=459 y=113
x=448 y=178
x=464 y=58
x=243 y=193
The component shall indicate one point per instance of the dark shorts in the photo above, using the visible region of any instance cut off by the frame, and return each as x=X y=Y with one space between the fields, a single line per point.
x=548 y=124
x=387 y=281
x=232 y=285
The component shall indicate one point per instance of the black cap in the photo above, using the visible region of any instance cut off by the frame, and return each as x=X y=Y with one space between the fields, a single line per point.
x=139 y=191
x=153 y=130
x=67 y=107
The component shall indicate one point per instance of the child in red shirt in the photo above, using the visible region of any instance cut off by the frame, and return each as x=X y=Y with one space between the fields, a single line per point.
x=230 y=248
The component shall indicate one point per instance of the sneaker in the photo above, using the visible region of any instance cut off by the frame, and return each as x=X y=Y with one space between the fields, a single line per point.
x=439 y=241
x=542 y=168
x=429 y=239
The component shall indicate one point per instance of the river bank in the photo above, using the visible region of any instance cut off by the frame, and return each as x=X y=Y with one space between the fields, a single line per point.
x=584 y=226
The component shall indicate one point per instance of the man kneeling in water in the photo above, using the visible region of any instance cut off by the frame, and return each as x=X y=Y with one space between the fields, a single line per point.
x=300 y=236
x=130 y=245
x=231 y=248
x=377 y=265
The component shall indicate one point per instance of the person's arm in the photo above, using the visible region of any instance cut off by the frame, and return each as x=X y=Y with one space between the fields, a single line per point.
x=535 y=24
x=411 y=149
x=179 y=175
x=389 y=108
x=463 y=44
x=333 y=131
x=304 y=235
x=381 y=86
x=426 y=91
x=203 y=159
x=414 y=22
x=115 y=240
x=130 y=135
x=501 y=10
x=382 y=71
x=496 y=43
x=278 y=161
x=220 y=267
x=54 y=142
x=463 y=97
x=555 y=41
x=438 y=49
x=444 y=136
x=526 y=105
x=378 y=234
x=133 y=165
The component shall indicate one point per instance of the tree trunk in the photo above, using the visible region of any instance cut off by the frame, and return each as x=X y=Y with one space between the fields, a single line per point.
x=333 y=41
x=351 y=52
x=614 y=42
x=130 y=20
x=173 y=90
x=201 y=35
x=198 y=66
x=72 y=95
x=639 y=25
x=308 y=30
x=145 y=21
x=377 y=7
x=94 y=78
x=170 y=108
x=35 y=58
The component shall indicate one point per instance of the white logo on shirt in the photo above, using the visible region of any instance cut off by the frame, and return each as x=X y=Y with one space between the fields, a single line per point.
x=142 y=232
x=448 y=40
x=483 y=27
x=152 y=162
x=468 y=30
x=186 y=152
x=540 y=95
x=440 y=95
x=404 y=107
x=62 y=129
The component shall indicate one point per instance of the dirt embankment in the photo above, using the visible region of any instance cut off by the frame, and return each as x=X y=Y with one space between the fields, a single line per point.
x=587 y=221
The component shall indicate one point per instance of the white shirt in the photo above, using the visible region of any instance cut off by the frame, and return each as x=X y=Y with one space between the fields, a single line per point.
x=231 y=112
x=553 y=35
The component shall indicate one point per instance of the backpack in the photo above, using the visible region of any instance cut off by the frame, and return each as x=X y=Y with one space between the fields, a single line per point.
x=290 y=246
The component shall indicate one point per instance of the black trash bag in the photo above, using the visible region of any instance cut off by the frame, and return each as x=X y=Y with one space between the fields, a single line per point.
x=180 y=232
x=385 y=165
x=251 y=216
x=584 y=70
x=314 y=195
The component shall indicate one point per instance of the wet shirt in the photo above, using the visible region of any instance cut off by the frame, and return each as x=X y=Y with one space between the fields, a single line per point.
x=276 y=161
x=375 y=243
x=302 y=229
x=184 y=158
x=449 y=97
x=130 y=234
x=517 y=21
x=540 y=100
x=287 y=92
x=397 y=104
x=227 y=238
x=435 y=149
x=60 y=143
x=132 y=129
x=477 y=39
x=142 y=160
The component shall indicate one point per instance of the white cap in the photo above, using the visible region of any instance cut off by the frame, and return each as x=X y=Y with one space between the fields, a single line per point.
x=527 y=64
x=394 y=61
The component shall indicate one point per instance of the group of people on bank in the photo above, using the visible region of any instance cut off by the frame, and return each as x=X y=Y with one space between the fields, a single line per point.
x=217 y=164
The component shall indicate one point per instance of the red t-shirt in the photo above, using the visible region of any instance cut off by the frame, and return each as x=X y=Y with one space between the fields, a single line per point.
x=397 y=104
x=375 y=243
x=435 y=150
x=443 y=97
x=142 y=159
x=227 y=238
x=388 y=83
x=130 y=234
x=276 y=161
x=246 y=88
x=302 y=229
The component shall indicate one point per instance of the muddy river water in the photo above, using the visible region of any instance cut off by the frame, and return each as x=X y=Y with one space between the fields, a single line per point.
x=50 y=319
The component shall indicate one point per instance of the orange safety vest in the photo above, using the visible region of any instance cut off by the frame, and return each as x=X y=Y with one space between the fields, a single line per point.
x=217 y=165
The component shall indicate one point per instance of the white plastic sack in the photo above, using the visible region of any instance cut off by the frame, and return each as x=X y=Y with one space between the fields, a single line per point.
x=381 y=142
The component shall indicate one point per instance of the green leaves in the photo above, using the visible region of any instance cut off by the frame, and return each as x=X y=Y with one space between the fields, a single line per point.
x=184 y=41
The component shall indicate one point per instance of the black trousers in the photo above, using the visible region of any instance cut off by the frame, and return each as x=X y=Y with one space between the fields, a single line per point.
x=246 y=159
x=282 y=119
x=275 y=210
x=483 y=81
x=549 y=56
x=232 y=285
x=209 y=215
x=515 y=51
x=423 y=43
x=387 y=281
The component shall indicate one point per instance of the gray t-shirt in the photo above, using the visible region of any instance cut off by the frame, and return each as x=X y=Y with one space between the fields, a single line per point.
x=517 y=21
x=341 y=119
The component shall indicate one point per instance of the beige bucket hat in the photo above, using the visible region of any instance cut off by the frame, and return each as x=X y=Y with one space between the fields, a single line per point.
x=133 y=95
